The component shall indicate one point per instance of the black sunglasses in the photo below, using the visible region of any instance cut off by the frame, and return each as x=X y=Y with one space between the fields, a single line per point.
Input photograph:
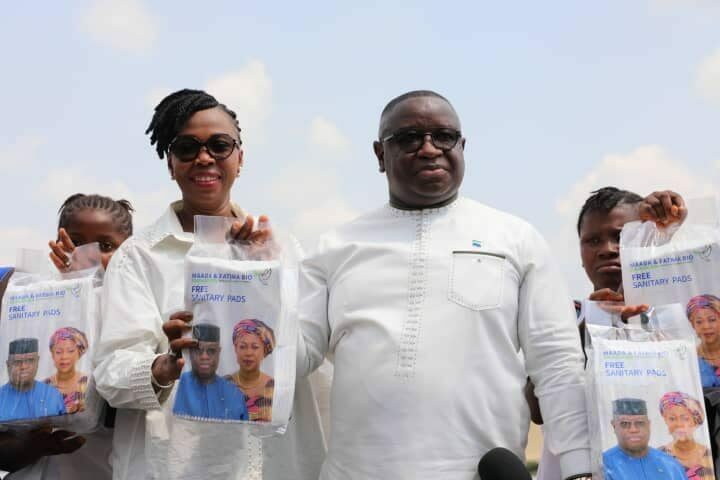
x=186 y=148
x=410 y=141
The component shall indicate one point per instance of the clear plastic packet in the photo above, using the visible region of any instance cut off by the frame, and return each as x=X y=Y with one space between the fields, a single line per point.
x=646 y=411
x=48 y=328
x=243 y=300
x=680 y=265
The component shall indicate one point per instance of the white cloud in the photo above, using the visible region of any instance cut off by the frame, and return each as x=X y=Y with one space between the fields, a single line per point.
x=122 y=24
x=707 y=80
x=21 y=152
x=326 y=135
x=294 y=185
x=60 y=184
x=312 y=187
x=248 y=92
x=35 y=230
x=643 y=170
x=310 y=222
x=315 y=209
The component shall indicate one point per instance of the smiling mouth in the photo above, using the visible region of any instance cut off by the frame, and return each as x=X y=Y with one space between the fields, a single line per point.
x=205 y=180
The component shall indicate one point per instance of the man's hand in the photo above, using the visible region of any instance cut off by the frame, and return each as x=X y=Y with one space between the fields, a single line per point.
x=606 y=295
x=533 y=403
x=664 y=208
x=625 y=311
x=21 y=450
x=168 y=367
x=58 y=442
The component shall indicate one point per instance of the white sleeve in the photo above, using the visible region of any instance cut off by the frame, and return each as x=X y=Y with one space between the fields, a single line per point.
x=314 y=331
x=130 y=335
x=553 y=356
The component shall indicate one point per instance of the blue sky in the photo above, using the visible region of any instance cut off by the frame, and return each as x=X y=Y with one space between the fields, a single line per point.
x=556 y=99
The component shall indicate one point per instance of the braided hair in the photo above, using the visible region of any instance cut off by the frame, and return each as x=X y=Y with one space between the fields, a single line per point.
x=119 y=210
x=174 y=111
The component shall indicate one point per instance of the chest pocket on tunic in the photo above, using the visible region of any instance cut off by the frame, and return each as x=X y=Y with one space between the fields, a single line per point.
x=476 y=279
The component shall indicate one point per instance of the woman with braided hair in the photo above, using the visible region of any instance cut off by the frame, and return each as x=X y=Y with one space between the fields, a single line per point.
x=139 y=354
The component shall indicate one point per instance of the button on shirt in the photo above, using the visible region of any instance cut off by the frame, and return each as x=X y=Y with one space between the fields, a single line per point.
x=427 y=314
x=144 y=284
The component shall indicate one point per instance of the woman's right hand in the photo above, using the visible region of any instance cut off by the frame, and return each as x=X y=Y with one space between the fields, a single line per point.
x=168 y=367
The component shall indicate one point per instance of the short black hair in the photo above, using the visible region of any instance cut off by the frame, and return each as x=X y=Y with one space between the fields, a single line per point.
x=174 y=110
x=412 y=94
x=119 y=210
x=605 y=199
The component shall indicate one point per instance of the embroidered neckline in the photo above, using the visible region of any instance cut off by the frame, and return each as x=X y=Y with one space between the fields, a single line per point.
x=424 y=211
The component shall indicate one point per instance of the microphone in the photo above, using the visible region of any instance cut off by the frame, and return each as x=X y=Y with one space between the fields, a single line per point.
x=501 y=464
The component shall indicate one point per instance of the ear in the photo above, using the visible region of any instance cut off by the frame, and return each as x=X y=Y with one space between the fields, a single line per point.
x=241 y=158
x=462 y=143
x=170 y=167
x=380 y=154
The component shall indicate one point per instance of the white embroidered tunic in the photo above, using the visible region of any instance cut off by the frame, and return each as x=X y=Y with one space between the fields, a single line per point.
x=429 y=315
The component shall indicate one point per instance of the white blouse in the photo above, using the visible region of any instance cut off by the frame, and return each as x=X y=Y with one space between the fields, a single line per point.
x=435 y=317
x=144 y=285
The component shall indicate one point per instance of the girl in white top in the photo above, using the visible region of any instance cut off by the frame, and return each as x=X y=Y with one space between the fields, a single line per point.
x=60 y=455
x=138 y=357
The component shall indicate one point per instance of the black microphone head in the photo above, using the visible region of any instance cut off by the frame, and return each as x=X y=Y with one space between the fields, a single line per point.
x=501 y=464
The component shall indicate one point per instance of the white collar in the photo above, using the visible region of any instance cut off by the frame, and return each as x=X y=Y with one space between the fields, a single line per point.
x=398 y=212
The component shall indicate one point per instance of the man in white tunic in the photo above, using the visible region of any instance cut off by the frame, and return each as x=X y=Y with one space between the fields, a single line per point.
x=436 y=308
